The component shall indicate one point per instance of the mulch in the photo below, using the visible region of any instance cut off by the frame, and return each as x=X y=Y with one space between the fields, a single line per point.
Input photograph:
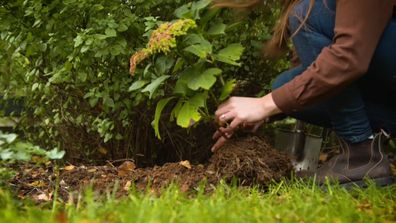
x=248 y=161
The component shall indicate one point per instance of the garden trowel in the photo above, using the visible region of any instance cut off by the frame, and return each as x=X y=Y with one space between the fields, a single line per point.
x=303 y=148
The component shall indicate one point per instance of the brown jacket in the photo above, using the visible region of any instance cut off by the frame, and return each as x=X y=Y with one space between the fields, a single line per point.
x=358 y=28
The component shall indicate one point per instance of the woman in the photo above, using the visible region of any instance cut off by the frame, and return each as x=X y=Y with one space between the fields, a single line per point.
x=346 y=81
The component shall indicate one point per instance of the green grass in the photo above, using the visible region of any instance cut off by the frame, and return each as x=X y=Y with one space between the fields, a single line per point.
x=284 y=202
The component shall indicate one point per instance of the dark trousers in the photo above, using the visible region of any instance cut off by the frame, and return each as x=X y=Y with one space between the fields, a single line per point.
x=363 y=107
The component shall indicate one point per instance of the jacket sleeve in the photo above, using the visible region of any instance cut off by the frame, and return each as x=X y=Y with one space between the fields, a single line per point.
x=358 y=28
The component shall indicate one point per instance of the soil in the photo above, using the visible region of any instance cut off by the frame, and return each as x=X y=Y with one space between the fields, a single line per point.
x=250 y=161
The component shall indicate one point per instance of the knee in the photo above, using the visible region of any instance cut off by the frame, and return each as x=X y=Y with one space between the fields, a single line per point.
x=297 y=15
x=314 y=13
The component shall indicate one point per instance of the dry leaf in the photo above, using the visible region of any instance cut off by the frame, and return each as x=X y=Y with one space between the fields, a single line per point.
x=69 y=168
x=93 y=170
x=364 y=206
x=125 y=168
x=323 y=157
x=43 y=197
x=186 y=164
x=127 y=185
x=38 y=183
x=103 y=151
x=393 y=168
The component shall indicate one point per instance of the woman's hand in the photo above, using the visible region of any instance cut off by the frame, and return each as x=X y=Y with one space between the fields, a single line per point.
x=242 y=111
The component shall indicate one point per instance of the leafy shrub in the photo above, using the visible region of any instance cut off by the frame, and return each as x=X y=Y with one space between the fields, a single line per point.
x=189 y=69
x=72 y=61
x=69 y=61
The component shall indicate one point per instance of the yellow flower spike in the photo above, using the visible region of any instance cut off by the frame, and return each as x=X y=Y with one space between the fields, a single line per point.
x=163 y=39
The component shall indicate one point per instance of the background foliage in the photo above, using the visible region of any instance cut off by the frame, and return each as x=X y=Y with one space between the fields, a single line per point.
x=68 y=61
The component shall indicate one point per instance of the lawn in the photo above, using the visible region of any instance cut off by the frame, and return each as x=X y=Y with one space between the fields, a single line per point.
x=282 y=202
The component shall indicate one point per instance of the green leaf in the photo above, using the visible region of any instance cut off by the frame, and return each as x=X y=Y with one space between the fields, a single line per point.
x=108 y=102
x=192 y=10
x=188 y=115
x=176 y=109
x=6 y=154
x=181 y=87
x=137 y=85
x=199 y=100
x=155 y=84
x=110 y=32
x=55 y=154
x=181 y=84
x=217 y=29
x=199 y=46
x=198 y=50
x=196 y=7
x=231 y=54
x=203 y=80
x=189 y=112
x=82 y=76
x=163 y=64
x=93 y=101
x=158 y=111
x=184 y=12
x=78 y=41
x=22 y=155
x=10 y=138
x=209 y=15
x=178 y=65
x=227 y=89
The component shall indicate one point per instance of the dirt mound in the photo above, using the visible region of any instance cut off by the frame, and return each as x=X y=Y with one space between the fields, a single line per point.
x=249 y=160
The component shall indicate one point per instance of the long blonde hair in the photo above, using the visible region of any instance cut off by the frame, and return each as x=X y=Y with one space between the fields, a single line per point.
x=281 y=35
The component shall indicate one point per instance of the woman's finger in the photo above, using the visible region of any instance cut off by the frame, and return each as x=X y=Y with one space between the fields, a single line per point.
x=217 y=135
x=220 y=143
x=221 y=133
x=226 y=118
x=257 y=126
x=236 y=122
x=222 y=109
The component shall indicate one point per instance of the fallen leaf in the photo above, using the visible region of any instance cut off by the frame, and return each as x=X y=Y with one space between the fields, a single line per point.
x=93 y=170
x=210 y=172
x=393 y=168
x=69 y=168
x=38 y=159
x=38 y=183
x=63 y=184
x=43 y=197
x=323 y=157
x=103 y=151
x=186 y=164
x=125 y=168
x=364 y=206
x=127 y=185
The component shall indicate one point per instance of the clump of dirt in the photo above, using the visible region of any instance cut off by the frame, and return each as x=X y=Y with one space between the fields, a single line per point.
x=250 y=160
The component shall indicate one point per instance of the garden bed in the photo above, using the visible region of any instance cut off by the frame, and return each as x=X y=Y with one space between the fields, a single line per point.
x=249 y=161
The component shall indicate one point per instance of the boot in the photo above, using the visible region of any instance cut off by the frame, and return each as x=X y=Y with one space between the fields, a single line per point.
x=356 y=163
